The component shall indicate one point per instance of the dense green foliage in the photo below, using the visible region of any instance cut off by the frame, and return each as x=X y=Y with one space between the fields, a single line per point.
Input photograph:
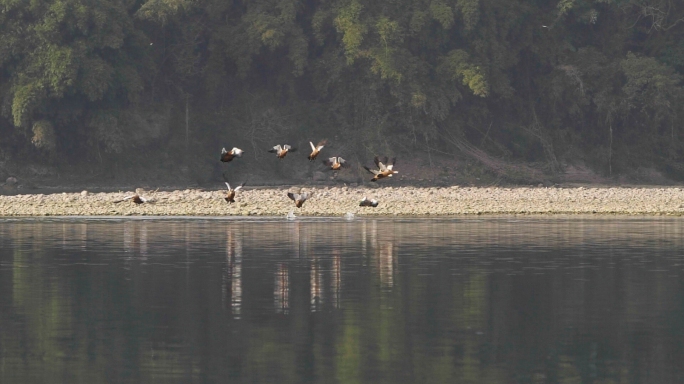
x=536 y=80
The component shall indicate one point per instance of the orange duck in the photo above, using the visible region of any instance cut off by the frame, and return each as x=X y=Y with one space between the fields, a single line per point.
x=384 y=169
x=335 y=163
x=281 y=152
x=227 y=156
x=298 y=198
x=230 y=194
x=316 y=149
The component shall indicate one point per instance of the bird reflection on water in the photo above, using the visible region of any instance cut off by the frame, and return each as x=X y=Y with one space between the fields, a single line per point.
x=232 y=274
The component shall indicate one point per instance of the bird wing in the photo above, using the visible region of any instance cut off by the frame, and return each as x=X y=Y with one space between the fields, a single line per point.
x=304 y=196
x=292 y=196
x=227 y=185
x=381 y=166
x=313 y=147
x=374 y=172
x=321 y=144
x=240 y=186
x=376 y=160
x=237 y=152
x=391 y=164
x=277 y=148
x=341 y=160
x=223 y=151
x=124 y=199
x=287 y=147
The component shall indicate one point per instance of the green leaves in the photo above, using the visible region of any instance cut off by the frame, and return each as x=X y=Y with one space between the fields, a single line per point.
x=651 y=87
x=63 y=50
x=443 y=13
x=60 y=67
x=95 y=78
x=377 y=69
x=348 y=24
x=26 y=99
x=471 y=12
x=162 y=10
x=457 y=65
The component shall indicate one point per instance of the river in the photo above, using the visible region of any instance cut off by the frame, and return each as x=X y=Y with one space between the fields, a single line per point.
x=501 y=299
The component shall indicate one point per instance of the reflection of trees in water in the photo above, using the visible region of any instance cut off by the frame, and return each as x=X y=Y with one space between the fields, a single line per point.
x=464 y=311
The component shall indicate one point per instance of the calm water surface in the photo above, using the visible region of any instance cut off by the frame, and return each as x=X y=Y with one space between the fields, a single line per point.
x=468 y=300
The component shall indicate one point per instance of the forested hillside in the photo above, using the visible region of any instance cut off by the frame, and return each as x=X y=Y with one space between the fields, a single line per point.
x=162 y=85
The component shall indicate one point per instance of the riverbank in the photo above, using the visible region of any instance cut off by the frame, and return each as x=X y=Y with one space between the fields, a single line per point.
x=333 y=201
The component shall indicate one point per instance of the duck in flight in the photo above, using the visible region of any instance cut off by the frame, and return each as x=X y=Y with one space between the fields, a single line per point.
x=368 y=203
x=227 y=156
x=385 y=169
x=335 y=163
x=316 y=149
x=281 y=152
x=230 y=194
x=298 y=198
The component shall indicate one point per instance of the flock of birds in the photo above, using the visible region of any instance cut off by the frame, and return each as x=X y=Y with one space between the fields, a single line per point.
x=384 y=169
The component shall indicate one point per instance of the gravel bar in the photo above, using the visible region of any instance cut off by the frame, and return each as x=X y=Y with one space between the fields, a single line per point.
x=333 y=201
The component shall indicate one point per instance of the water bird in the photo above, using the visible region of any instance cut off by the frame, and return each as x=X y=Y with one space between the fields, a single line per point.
x=368 y=203
x=137 y=199
x=335 y=163
x=384 y=168
x=227 y=156
x=316 y=149
x=349 y=216
x=290 y=215
x=230 y=194
x=281 y=152
x=298 y=198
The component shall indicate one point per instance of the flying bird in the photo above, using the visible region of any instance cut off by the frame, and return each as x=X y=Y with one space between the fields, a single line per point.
x=227 y=156
x=230 y=194
x=335 y=163
x=281 y=152
x=316 y=149
x=368 y=203
x=384 y=168
x=298 y=198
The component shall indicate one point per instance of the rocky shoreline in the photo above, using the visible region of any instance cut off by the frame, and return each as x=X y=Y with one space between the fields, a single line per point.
x=336 y=201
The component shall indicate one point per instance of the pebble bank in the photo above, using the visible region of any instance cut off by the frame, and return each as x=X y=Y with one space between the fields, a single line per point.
x=334 y=201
